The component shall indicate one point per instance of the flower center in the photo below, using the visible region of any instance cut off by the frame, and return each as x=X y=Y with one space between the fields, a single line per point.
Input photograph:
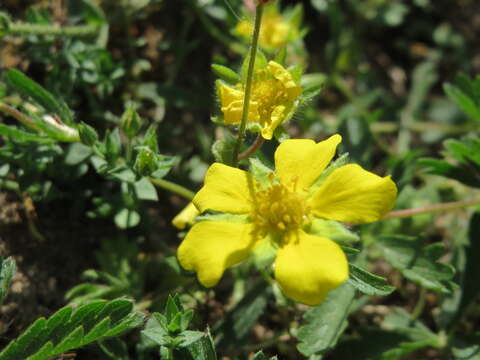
x=279 y=210
x=269 y=93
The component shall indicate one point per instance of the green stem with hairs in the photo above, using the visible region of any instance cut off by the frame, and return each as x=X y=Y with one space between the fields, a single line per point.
x=172 y=187
x=248 y=84
x=430 y=209
x=55 y=30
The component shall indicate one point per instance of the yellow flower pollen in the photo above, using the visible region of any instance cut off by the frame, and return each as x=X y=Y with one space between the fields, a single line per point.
x=269 y=93
x=279 y=209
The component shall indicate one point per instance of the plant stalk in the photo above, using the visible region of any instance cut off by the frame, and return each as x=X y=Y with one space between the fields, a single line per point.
x=172 y=187
x=55 y=30
x=253 y=148
x=248 y=84
x=430 y=209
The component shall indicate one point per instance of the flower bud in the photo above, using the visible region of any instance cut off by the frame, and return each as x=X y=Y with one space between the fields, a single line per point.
x=131 y=122
x=146 y=162
x=88 y=135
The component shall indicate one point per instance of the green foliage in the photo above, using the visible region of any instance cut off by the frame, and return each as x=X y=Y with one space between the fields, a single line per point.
x=368 y=283
x=7 y=270
x=69 y=329
x=418 y=264
x=325 y=323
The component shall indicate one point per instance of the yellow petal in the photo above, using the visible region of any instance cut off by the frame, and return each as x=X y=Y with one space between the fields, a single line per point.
x=226 y=189
x=355 y=195
x=185 y=216
x=302 y=161
x=308 y=267
x=281 y=74
x=277 y=116
x=211 y=247
x=232 y=105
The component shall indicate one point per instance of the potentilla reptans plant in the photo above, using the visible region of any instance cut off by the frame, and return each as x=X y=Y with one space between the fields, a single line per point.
x=275 y=211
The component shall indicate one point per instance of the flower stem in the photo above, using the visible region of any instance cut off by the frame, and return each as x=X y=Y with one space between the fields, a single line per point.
x=22 y=118
x=430 y=209
x=253 y=148
x=76 y=31
x=248 y=84
x=172 y=187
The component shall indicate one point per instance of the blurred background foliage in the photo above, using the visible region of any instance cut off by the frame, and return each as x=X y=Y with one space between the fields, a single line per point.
x=398 y=82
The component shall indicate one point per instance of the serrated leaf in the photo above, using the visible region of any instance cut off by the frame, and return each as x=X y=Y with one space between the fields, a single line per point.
x=226 y=74
x=325 y=322
x=368 y=283
x=72 y=340
x=97 y=331
x=7 y=270
x=65 y=330
x=27 y=87
x=416 y=263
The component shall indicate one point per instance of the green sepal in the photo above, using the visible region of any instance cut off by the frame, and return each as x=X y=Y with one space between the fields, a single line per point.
x=261 y=62
x=281 y=56
x=226 y=74
x=342 y=160
x=264 y=253
x=262 y=173
x=231 y=218
x=331 y=230
x=222 y=150
x=88 y=135
x=131 y=122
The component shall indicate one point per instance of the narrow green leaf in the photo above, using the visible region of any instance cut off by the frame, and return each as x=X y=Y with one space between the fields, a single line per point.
x=27 y=87
x=23 y=136
x=45 y=351
x=131 y=321
x=189 y=337
x=226 y=74
x=7 y=270
x=369 y=283
x=325 y=322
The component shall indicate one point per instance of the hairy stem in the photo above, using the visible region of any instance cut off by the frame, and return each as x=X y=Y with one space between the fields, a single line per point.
x=173 y=188
x=430 y=209
x=248 y=84
x=253 y=148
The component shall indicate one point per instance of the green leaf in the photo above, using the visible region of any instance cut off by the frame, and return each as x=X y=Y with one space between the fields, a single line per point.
x=332 y=230
x=127 y=218
x=463 y=101
x=76 y=154
x=145 y=190
x=222 y=150
x=238 y=321
x=27 y=87
x=470 y=286
x=204 y=349
x=226 y=74
x=7 y=270
x=66 y=330
x=23 y=136
x=368 y=283
x=416 y=263
x=325 y=322
x=189 y=337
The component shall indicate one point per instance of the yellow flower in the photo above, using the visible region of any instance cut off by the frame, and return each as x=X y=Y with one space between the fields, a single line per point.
x=275 y=31
x=185 y=217
x=278 y=210
x=273 y=99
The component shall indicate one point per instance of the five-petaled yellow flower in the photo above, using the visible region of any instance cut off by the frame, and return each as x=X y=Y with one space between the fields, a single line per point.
x=273 y=99
x=279 y=210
